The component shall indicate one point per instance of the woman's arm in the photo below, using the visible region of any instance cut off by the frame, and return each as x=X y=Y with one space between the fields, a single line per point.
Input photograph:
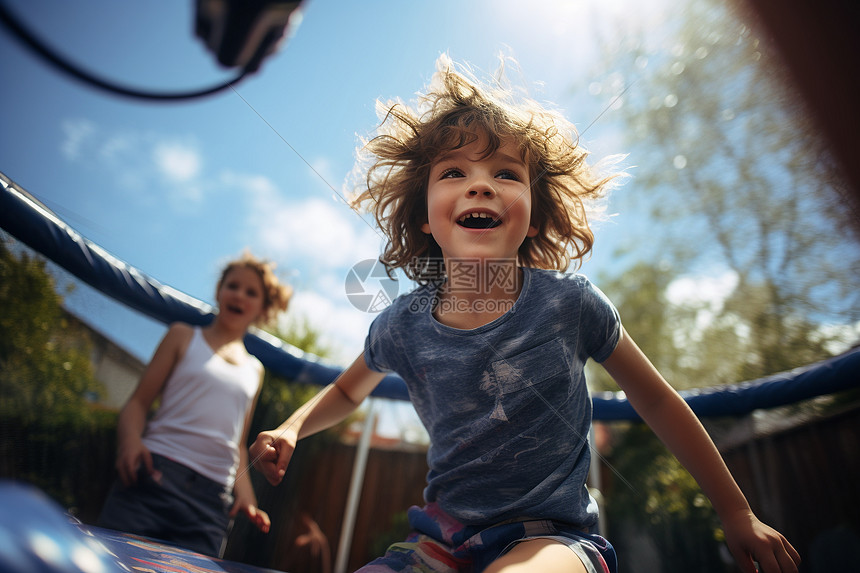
x=245 y=500
x=672 y=420
x=132 y=418
x=271 y=451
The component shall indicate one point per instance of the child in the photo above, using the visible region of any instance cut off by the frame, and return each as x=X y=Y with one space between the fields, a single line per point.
x=178 y=476
x=483 y=204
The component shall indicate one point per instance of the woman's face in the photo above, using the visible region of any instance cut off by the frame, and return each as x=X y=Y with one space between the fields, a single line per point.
x=240 y=296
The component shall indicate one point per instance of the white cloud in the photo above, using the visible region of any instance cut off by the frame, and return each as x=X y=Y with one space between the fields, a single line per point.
x=710 y=291
x=137 y=160
x=343 y=327
x=315 y=229
x=117 y=145
x=77 y=132
x=177 y=162
x=842 y=337
x=322 y=168
x=320 y=239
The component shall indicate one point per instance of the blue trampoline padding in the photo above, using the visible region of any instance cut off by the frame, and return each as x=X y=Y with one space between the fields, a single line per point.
x=32 y=223
x=36 y=536
x=827 y=377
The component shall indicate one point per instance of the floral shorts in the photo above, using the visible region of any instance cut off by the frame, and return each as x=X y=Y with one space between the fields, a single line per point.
x=440 y=544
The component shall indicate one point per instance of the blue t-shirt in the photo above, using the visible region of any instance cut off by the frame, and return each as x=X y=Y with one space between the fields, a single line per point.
x=505 y=404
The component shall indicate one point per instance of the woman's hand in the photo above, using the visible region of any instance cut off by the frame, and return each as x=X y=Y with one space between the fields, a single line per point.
x=246 y=502
x=129 y=457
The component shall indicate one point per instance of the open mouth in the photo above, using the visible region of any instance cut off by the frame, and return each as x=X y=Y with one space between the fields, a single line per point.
x=478 y=221
x=236 y=309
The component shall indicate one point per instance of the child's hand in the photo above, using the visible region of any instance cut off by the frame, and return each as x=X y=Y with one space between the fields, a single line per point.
x=256 y=515
x=751 y=541
x=271 y=452
x=128 y=459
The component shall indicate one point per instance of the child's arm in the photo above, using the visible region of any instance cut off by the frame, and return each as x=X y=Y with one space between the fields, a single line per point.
x=272 y=450
x=245 y=500
x=132 y=418
x=669 y=416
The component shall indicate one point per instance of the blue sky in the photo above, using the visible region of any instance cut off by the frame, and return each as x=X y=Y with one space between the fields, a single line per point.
x=176 y=189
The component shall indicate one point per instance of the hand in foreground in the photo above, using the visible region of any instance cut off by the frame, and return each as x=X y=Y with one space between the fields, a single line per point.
x=752 y=541
x=129 y=457
x=271 y=452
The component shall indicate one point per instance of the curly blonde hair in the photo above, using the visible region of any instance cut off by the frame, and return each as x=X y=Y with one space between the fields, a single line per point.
x=455 y=111
x=276 y=295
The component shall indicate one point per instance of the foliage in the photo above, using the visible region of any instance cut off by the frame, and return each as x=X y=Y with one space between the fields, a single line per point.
x=299 y=332
x=640 y=296
x=53 y=435
x=68 y=458
x=675 y=512
x=45 y=368
x=732 y=180
x=280 y=397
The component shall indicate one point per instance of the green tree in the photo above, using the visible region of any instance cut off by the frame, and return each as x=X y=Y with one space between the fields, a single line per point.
x=640 y=296
x=648 y=488
x=281 y=397
x=658 y=496
x=731 y=177
x=51 y=433
x=45 y=368
x=299 y=332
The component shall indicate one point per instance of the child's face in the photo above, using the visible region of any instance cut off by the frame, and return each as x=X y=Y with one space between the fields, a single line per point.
x=240 y=297
x=479 y=207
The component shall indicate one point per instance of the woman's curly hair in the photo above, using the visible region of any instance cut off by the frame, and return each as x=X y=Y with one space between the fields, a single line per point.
x=455 y=111
x=276 y=295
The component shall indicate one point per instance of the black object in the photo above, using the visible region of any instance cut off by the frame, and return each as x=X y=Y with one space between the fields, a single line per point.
x=241 y=33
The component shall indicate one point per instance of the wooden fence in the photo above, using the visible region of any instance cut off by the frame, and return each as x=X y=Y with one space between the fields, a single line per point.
x=316 y=487
x=803 y=480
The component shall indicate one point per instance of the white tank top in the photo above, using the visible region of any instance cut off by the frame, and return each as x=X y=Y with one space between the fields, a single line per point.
x=202 y=414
